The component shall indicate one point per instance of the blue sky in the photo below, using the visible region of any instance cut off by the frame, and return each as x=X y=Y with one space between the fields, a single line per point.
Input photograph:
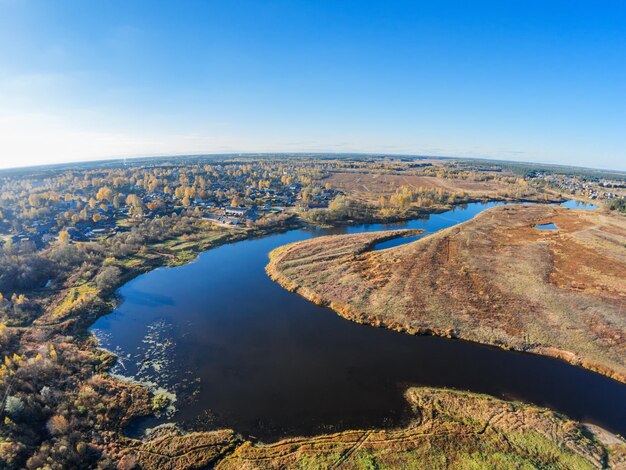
x=523 y=80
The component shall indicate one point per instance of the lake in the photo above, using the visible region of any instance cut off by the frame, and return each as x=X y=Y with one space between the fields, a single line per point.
x=239 y=351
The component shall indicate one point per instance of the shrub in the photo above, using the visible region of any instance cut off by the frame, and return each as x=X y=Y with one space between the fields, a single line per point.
x=57 y=425
x=617 y=204
x=14 y=407
x=108 y=278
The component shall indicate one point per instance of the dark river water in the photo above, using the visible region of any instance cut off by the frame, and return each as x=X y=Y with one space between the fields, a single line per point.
x=239 y=351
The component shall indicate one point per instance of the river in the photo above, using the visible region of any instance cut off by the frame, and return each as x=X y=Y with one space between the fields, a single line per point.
x=239 y=351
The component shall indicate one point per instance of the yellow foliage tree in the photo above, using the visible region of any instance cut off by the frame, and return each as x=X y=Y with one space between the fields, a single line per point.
x=64 y=237
x=104 y=194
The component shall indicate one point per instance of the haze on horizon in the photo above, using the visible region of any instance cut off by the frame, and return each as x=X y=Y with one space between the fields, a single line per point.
x=531 y=81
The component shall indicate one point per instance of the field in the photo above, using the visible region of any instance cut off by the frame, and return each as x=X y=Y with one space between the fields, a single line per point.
x=369 y=186
x=495 y=280
x=363 y=184
x=448 y=429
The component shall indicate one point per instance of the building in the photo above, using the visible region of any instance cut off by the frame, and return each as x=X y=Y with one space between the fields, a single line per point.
x=235 y=212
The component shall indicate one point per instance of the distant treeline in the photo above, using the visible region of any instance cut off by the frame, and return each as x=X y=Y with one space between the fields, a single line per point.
x=532 y=169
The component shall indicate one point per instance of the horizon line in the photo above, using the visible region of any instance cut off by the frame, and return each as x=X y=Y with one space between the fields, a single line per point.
x=295 y=154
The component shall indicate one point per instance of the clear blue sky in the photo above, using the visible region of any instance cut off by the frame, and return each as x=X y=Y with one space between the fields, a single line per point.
x=525 y=80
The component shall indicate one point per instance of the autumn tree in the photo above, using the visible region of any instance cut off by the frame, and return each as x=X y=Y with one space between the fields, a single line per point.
x=104 y=194
x=57 y=425
x=136 y=205
x=133 y=200
x=35 y=200
x=108 y=278
x=64 y=237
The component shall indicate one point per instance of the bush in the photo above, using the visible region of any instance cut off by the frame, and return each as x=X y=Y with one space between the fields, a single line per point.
x=14 y=407
x=57 y=425
x=108 y=278
x=617 y=204
x=159 y=402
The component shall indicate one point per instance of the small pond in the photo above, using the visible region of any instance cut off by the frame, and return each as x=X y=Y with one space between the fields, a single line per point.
x=549 y=226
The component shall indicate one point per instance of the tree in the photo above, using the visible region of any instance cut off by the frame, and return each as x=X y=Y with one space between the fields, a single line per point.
x=9 y=246
x=190 y=192
x=339 y=204
x=306 y=195
x=152 y=185
x=136 y=205
x=617 y=204
x=35 y=200
x=133 y=200
x=57 y=425
x=108 y=278
x=64 y=237
x=14 y=407
x=104 y=194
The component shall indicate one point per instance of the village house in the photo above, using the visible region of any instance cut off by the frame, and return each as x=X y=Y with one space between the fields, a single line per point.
x=235 y=211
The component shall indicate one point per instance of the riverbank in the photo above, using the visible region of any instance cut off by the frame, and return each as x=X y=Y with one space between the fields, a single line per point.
x=367 y=214
x=450 y=428
x=489 y=280
x=73 y=309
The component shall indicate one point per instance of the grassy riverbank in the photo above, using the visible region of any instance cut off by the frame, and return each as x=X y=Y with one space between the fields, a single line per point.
x=495 y=280
x=448 y=429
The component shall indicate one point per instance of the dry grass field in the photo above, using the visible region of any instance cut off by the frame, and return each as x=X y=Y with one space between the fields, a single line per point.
x=448 y=429
x=495 y=279
x=369 y=186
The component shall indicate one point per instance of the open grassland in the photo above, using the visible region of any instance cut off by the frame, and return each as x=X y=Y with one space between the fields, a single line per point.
x=495 y=280
x=448 y=429
x=370 y=186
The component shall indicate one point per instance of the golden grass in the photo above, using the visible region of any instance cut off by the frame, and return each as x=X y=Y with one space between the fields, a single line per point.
x=75 y=299
x=369 y=186
x=173 y=451
x=495 y=279
x=450 y=429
